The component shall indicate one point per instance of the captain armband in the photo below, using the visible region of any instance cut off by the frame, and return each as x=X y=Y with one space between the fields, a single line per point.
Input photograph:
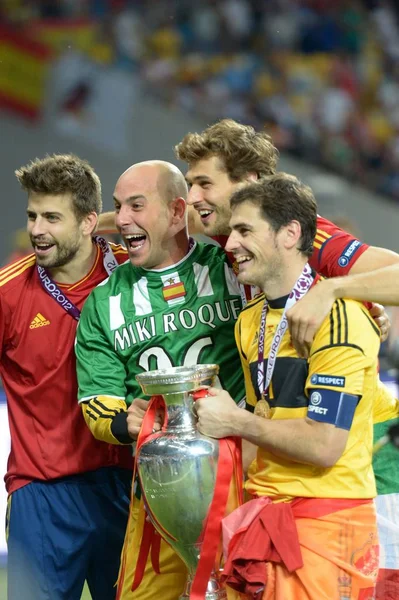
x=330 y=406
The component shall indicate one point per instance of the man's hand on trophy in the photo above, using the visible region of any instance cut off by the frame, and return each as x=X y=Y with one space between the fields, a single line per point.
x=215 y=414
x=135 y=416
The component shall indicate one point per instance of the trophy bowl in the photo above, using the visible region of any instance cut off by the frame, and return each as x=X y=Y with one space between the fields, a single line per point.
x=177 y=466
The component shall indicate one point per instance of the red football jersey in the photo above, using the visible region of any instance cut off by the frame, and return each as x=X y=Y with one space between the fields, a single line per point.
x=334 y=251
x=49 y=437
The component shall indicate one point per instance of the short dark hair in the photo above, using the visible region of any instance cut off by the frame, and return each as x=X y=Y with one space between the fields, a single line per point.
x=240 y=149
x=62 y=174
x=283 y=198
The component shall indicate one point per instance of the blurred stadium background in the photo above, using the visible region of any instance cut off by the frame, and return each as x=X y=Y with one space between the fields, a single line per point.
x=119 y=81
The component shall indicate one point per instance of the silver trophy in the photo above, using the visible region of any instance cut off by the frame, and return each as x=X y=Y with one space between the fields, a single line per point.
x=177 y=467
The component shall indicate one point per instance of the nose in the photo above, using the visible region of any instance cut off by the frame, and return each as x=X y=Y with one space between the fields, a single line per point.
x=123 y=217
x=232 y=243
x=195 y=195
x=37 y=228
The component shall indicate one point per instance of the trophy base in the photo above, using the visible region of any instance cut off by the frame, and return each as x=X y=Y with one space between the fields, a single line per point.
x=213 y=591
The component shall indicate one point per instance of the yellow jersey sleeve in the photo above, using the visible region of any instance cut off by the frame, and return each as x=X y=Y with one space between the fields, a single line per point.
x=100 y=413
x=345 y=349
x=385 y=406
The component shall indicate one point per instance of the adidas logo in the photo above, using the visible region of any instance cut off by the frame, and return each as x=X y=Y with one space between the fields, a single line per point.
x=39 y=321
x=255 y=340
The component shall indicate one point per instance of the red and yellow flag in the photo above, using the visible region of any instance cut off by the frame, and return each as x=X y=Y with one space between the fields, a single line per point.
x=173 y=291
x=24 y=65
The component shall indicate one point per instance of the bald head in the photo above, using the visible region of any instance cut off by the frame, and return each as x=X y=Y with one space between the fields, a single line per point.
x=156 y=175
x=150 y=213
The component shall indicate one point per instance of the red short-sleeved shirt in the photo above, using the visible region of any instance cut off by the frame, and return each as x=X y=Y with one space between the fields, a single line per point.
x=49 y=437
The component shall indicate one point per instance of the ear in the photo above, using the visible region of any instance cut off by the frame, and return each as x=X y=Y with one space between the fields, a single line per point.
x=251 y=176
x=89 y=223
x=178 y=209
x=292 y=234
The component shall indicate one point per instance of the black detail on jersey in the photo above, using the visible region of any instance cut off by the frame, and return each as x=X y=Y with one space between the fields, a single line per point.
x=117 y=416
x=337 y=309
x=91 y=415
x=279 y=302
x=288 y=382
x=102 y=409
x=119 y=428
x=339 y=328
x=97 y=411
x=240 y=338
x=344 y=316
x=332 y=326
x=372 y=323
x=253 y=302
x=338 y=346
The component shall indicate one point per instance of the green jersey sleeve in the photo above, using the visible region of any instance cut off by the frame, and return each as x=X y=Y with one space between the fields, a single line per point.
x=100 y=370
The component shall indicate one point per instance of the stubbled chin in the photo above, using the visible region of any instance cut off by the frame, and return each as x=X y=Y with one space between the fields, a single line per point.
x=244 y=272
x=241 y=276
x=138 y=258
x=208 y=222
x=216 y=227
x=44 y=259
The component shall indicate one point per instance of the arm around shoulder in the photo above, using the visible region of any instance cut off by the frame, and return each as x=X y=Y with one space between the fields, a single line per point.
x=106 y=223
x=373 y=278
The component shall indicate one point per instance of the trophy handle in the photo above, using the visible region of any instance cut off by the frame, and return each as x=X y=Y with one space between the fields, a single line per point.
x=200 y=394
x=203 y=393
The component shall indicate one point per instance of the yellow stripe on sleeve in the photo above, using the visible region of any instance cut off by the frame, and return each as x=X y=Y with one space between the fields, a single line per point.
x=4 y=279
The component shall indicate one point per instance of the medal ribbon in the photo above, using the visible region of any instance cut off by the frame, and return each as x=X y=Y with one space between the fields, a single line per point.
x=110 y=264
x=300 y=288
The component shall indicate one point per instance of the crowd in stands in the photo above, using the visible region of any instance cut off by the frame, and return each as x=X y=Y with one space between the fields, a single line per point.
x=322 y=76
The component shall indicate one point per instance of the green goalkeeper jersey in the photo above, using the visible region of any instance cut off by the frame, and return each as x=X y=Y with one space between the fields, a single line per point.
x=139 y=320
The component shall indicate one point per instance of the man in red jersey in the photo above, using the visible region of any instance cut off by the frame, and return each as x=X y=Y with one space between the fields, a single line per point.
x=68 y=493
x=227 y=156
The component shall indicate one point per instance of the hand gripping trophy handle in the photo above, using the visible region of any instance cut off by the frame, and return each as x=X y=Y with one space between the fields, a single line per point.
x=197 y=395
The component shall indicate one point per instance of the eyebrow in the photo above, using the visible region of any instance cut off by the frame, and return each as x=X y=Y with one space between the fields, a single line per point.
x=198 y=178
x=131 y=198
x=30 y=211
x=240 y=225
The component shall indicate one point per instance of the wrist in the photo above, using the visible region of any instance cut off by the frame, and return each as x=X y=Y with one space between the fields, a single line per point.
x=239 y=422
x=119 y=428
x=334 y=287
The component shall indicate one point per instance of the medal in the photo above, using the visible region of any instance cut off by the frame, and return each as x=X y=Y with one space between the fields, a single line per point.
x=262 y=408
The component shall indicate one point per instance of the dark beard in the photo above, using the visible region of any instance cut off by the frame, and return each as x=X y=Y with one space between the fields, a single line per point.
x=64 y=256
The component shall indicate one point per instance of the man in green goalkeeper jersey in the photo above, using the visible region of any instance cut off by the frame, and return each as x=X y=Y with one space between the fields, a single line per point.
x=173 y=303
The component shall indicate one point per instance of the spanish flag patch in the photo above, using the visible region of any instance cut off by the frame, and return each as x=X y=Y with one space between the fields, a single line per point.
x=174 y=291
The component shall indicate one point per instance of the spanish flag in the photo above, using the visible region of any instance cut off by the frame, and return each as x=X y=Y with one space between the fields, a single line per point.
x=174 y=291
x=24 y=66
